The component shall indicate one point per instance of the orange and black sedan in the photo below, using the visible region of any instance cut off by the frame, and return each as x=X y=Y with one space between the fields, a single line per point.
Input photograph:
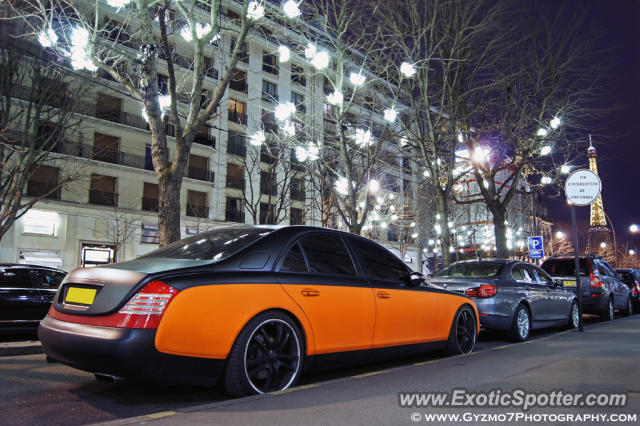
x=255 y=306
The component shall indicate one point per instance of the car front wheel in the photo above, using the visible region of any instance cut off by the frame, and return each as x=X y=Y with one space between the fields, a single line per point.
x=267 y=356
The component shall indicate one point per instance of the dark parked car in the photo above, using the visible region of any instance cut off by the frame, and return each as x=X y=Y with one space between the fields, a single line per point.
x=254 y=305
x=603 y=291
x=26 y=293
x=631 y=277
x=511 y=295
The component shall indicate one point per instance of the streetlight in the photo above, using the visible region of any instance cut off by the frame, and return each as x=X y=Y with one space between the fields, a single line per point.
x=632 y=252
x=633 y=228
x=560 y=235
x=603 y=245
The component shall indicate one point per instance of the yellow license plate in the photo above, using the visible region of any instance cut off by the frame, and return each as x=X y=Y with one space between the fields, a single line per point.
x=83 y=296
x=569 y=283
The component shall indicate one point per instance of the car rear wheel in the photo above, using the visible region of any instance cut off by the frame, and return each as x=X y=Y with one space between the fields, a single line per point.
x=608 y=313
x=521 y=326
x=629 y=310
x=574 y=316
x=267 y=356
x=462 y=337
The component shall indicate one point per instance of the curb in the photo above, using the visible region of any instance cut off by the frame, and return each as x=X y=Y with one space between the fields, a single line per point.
x=22 y=348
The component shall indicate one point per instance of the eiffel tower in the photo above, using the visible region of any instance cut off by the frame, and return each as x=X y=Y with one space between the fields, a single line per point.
x=599 y=233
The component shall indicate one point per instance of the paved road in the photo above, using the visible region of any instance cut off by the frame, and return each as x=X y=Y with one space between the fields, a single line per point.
x=34 y=392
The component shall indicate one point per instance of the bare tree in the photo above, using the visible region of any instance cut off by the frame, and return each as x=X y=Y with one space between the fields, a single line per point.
x=132 y=44
x=38 y=128
x=120 y=229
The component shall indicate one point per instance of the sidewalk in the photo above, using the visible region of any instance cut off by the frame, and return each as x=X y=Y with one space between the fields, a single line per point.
x=28 y=347
x=602 y=359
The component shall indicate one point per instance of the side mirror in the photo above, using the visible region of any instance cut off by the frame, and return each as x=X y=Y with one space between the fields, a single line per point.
x=416 y=279
x=558 y=283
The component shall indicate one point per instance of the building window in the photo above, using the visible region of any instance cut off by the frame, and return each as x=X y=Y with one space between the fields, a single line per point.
x=109 y=108
x=269 y=123
x=296 y=217
x=102 y=190
x=297 y=189
x=268 y=183
x=270 y=63
x=237 y=111
x=203 y=137
x=267 y=214
x=269 y=91
x=236 y=144
x=298 y=100
x=197 y=204
x=234 y=211
x=392 y=233
x=297 y=75
x=238 y=81
x=149 y=234
x=244 y=56
x=40 y=222
x=235 y=176
x=105 y=148
x=209 y=68
x=44 y=183
x=150 y=197
x=199 y=168
x=299 y=129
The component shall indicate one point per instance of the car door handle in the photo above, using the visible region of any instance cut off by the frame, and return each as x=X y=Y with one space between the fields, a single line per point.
x=383 y=295
x=309 y=292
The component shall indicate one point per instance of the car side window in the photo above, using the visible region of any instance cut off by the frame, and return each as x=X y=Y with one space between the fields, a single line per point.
x=602 y=270
x=294 y=262
x=543 y=277
x=608 y=269
x=327 y=254
x=379 y=263
x=15 y=278
x=47 y=279
x=521 y=274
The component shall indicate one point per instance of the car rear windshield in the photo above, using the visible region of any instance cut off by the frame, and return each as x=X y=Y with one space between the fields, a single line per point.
x=564 y=267
x=477 y=269
x=217 y=244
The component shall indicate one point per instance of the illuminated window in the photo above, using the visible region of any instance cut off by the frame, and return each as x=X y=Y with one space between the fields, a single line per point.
x=40 y=222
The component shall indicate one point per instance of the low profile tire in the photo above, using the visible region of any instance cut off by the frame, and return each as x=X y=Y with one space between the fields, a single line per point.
x=574 y=316
x=608 y=313
x=267 y=356
x=629 y=309
x=521 y=326
x=463 y=334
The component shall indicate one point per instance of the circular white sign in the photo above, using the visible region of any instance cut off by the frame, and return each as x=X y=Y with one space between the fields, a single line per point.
x=582 y=187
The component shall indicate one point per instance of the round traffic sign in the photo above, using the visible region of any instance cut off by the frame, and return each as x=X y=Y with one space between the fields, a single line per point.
x=582 y=187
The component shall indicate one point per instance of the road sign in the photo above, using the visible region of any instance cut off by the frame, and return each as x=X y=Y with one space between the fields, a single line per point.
x=582 y=187
x=536 y=247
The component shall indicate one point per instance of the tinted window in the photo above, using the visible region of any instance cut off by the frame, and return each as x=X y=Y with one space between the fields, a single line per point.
x=442 y=273
x=43 y=278
x=603 y=270
x=16 y=278
x=379 y=263
x=294 y=262
x=542 y=276
x=327 y=254
x=627 y=278
x=473 y=269
x=564 y=267
x=213 y=245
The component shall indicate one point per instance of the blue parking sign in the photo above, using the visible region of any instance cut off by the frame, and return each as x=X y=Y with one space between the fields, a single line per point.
x=536 y=248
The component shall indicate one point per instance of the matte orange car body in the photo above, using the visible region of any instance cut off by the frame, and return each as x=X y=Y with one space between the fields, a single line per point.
x=343 y=318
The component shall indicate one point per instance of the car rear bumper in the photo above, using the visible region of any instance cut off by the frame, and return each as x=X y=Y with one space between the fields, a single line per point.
x=122 y=352
x=491 y=316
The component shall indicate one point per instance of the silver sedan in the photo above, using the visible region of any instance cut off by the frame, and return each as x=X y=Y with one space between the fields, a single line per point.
x=511 y=295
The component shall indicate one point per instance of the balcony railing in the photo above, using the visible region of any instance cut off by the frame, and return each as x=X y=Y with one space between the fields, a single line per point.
x=205 y=140
x=237 y=117
x=103 y=198
x=297 y=194
x=234 y=216
x=150 y=204
x=38 y=189
x=237 y=146
x=197 y=211
x=201 y=174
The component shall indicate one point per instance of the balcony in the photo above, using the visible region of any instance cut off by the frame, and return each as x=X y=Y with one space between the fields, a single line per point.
x=201 y=174
x=270 y=127
x=205 y=140
x=150 y=204
x=270 y=97
x=103 y=198
x=234 y=216
x=297 y=194
x=38 y=189
x=235 y=182
x=237 y=117
x=236 y=146
x=197 y=211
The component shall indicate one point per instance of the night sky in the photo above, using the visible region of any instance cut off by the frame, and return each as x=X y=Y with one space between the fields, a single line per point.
x=619 y=157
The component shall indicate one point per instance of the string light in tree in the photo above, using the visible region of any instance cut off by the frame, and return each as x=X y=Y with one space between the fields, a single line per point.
x=291 y=9
x=47 y=38
x=357 y=79
x=390 y=115
x=118 y=3
x=288 y=128
x=201 y=30
x=556 y=122
x=321 y=60
x=335 y=98
x=542 y=132
x=79 y=50
x=565 y=169
x=255 y=10
x=407 y=69
x=283 y=111
x=257 y=138
x=284 y=54
x=546 y=150
x=363 y=137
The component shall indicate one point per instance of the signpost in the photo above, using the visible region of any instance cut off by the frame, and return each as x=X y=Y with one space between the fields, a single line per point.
x=581 y=188
x=536 y=247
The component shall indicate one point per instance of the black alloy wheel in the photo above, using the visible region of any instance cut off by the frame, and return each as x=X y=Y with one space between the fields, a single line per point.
x=462 y=338
x=266 y=357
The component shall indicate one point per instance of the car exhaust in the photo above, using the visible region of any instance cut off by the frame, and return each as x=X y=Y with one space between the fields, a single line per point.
x=108 y=378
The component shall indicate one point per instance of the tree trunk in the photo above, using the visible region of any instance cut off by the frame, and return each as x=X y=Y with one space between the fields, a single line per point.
x=500 y=229
x=442 y=207
x=169 y=186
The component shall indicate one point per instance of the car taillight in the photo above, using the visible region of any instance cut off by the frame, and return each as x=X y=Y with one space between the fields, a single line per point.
x=485 y=290
x=595 y=281
x=636 y=289
x=143 y=310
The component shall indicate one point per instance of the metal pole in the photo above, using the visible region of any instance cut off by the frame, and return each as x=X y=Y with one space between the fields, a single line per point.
x=576 y=253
